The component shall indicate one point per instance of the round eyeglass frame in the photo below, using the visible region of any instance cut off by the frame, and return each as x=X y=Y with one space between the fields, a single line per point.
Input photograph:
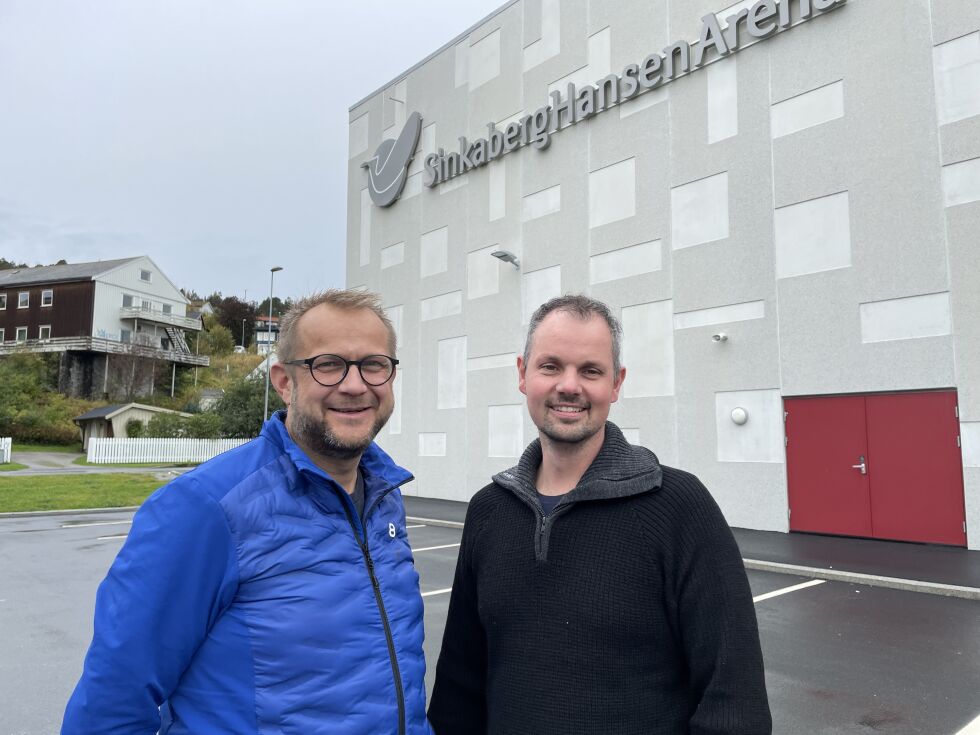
x=309 y=361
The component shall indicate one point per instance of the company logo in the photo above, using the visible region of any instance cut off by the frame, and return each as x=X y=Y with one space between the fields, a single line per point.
x=388 y=168
x=743 y=28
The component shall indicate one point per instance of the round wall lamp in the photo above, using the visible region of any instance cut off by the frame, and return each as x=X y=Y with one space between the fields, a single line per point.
x=739 y=415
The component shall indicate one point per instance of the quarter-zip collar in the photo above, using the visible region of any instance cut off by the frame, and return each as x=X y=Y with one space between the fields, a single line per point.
x=619 y=470
x=379 y=470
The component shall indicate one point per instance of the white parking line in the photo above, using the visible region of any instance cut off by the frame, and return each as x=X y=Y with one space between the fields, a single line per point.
x=433 y=548
x=785 y=590
x=972 y=729
x=416 y=525
x=109 y=538
x=437 y=592
x=94 y=523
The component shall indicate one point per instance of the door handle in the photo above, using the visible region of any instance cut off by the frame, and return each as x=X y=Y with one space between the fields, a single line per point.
x=863 y=466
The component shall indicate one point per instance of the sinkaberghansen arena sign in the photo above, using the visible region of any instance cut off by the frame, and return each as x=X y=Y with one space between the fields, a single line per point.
x=744 y=28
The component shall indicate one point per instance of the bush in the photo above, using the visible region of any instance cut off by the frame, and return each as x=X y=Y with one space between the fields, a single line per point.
x=31 y=409
x=135 y=429
x=241 y=406
x=205 y=425
x=166 y=426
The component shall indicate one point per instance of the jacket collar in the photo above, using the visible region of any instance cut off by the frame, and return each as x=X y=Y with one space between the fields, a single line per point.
x=618 y=471
x=379 y=470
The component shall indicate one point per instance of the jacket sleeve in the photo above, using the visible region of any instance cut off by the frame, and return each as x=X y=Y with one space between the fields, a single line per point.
x=716 y=619
x=173 y=576
x=458 y=705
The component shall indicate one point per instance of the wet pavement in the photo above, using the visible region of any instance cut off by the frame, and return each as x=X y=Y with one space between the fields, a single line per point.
x=916 y=562
x=840 y=658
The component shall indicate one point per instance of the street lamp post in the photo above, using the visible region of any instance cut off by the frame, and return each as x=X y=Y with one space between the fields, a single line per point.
x=268 y=354
x=243 y=334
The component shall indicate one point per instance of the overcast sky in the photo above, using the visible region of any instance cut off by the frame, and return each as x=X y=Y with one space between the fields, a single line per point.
x=210 y=135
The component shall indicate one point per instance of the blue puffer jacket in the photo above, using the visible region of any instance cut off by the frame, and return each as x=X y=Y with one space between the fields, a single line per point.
x=243 y=602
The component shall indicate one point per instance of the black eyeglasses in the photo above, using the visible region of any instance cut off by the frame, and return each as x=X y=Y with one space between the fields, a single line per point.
x=330 y=370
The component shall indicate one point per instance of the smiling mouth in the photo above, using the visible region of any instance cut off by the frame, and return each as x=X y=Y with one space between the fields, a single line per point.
x=568 y=410
x=352 y=411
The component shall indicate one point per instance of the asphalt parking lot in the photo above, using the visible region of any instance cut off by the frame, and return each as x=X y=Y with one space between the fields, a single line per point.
x=840 y=658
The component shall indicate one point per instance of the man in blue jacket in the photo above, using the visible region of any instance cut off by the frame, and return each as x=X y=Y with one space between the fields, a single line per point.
x=273 y=589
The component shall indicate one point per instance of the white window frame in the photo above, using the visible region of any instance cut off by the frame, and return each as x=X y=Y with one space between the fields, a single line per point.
x=126 y=336
x=132 y=300
x=26 y=302
x=3 y=301
x=149 y=275
x=20 y=331
x=49 y=294
x=3 y=335
x=40 y=331
x=167 y=308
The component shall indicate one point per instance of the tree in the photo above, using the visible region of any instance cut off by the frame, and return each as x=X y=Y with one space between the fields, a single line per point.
x=279 y=307
x=241 y=407
x=7 y=264
x=216 y=339
x=134 y=429
x=234 y=313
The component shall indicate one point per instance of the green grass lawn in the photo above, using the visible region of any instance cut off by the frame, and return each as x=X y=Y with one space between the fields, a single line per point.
x=11 y=466
x=66 y=448
x=64 y=492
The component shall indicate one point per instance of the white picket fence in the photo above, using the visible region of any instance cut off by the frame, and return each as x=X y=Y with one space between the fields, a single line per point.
x=4 y=449
x=116 y=451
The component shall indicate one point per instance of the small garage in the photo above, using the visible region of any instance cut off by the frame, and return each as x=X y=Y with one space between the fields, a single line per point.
x=110 y=421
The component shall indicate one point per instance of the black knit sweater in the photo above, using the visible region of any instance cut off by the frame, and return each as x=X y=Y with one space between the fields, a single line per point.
x=627 y=610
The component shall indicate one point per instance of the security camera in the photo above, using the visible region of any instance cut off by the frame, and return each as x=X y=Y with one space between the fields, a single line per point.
x=720 y=337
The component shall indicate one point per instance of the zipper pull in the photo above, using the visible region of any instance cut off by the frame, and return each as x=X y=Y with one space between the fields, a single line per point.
x=370 y=566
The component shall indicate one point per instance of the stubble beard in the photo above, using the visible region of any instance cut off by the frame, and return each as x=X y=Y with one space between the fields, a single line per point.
x=568 y=434
x=316 y=435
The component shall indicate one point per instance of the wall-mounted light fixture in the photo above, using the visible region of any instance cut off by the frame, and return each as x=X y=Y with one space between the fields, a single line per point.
x=719 y=337
x=507 y=257
x=739 y=415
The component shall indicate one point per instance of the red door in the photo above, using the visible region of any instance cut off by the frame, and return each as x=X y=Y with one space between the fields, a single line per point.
x=825 y=438
x=885 y=466
x=917 y=492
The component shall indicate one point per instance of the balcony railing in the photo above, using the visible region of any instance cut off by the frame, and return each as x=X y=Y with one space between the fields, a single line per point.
x=107 y=346
x=159 y=317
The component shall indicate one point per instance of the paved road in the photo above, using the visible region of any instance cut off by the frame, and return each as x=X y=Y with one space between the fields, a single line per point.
x=61 y=463
x=840 y=658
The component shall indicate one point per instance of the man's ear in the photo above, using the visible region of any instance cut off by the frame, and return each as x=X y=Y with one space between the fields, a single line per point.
x=618 y=383
x=282 y=381
x=521 y=368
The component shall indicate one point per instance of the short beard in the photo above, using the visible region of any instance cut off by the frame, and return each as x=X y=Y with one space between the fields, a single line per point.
x=316 y=435
x=581 y=434
x=554 y=431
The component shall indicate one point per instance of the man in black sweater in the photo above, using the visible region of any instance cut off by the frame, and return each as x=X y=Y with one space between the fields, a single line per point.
x=596 y=591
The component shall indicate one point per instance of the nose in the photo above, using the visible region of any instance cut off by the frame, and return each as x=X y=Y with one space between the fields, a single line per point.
x=568 y=381
x=352 y=383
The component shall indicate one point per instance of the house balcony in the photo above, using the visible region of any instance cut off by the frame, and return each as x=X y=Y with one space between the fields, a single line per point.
x=105 y=346
x=159 y=317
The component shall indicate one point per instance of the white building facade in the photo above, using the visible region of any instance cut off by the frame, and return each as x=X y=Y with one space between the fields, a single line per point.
x=136 y=303
x=781 y=205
